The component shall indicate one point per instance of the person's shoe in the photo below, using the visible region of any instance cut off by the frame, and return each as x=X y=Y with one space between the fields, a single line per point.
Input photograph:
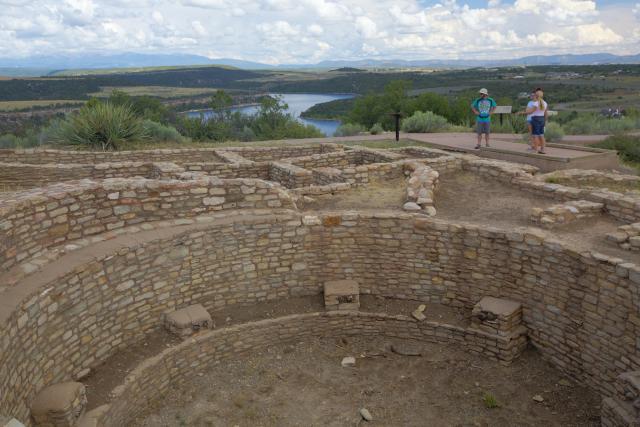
x=541 y=152
x=487 y=145
x=477 y=147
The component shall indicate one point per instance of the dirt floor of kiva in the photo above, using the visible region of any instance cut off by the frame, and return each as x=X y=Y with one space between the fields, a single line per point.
x=304 y=384
x=389 y=195
x=468 y=197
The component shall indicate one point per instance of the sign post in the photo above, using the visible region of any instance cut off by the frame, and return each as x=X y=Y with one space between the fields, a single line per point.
x=397 y=120
x=502 y=110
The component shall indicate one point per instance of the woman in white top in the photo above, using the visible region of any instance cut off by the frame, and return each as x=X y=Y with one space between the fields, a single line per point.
x=537 y=108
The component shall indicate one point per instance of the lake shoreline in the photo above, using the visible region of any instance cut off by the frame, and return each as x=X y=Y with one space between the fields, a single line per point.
x=297 y=105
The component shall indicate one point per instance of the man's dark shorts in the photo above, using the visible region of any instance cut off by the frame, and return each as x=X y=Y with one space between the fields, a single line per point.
x=483 y=127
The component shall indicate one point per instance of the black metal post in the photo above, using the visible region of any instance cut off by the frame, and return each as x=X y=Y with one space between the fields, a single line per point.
x=397 y=117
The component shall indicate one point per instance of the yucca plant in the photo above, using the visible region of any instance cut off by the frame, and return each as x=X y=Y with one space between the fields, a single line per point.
x=103 y=126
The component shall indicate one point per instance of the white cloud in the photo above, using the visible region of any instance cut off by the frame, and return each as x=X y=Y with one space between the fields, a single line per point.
x=206 y=4
x=316 y=29
x=199 y=29
x=158 y=17
x=280 y=31
x=366 y=27
x=597 y=34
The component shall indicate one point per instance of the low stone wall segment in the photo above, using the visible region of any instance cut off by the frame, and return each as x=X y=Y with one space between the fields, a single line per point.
x=37 y=219
x=39 y=156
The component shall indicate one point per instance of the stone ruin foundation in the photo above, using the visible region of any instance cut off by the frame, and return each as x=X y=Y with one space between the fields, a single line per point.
x=165 y=238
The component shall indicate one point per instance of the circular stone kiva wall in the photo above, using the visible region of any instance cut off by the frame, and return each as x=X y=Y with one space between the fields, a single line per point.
x=82 y=317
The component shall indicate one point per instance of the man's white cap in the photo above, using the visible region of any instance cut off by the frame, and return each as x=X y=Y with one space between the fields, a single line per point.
x=483 y=91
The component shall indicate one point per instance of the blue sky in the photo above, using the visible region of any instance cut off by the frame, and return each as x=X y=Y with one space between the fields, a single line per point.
x=308 y=31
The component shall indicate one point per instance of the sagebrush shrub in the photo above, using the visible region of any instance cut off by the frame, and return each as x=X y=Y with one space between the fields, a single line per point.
x=376 y=129
x=427 y=122
x=349 y=129
x=553 y=132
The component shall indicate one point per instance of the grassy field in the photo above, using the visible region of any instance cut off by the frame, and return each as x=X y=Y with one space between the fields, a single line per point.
x=104 y=71
x=20 y=105
x=159 y=91
x=629 y=97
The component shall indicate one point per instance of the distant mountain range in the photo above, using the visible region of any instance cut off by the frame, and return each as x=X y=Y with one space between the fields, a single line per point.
x=38 y=65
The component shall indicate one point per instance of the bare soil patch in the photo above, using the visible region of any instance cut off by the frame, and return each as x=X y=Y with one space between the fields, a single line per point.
x=113 y=371
x=377 y=195
x=468 y=197
x=304 y=384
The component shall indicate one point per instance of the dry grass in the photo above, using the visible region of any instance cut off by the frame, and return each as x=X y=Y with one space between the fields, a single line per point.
x=19 y=105
x=159 y=91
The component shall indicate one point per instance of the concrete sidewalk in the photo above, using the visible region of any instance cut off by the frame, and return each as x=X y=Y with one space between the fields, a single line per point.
x=512 y=148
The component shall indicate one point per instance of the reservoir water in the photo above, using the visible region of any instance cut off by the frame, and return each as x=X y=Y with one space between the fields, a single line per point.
x=298 y=102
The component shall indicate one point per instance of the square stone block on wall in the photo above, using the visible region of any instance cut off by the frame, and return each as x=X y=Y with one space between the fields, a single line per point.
x=188 y=320
x=59 y=405
x=342 y=295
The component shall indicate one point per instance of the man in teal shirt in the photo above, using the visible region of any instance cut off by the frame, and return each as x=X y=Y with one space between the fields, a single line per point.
x=483 y=107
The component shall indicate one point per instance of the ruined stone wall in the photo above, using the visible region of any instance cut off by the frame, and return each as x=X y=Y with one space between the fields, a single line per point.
x=29 y=175
x=581 y=310
x=160 y=375
x=362 y=175
x=261 y=154
x=341 y=159
x=259 y=170
x=39 y=156
x=38 y=219
x=289 y=175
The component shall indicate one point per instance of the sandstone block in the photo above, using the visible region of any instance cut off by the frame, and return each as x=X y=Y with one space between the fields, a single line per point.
x=186 y=321
x=59 y=405
x=342 y=295
x=497 y=316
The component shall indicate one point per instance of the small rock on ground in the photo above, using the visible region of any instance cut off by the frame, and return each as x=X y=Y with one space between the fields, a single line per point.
x=418 y=315
x=348 y=361
x=411 y=206
x=366 y=415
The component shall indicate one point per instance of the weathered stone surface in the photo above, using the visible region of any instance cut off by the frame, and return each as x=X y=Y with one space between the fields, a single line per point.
x=59 y=405
x=342 y=295
x=9 y=422
x=348 y=361
x=186 y=321
x=577 y=306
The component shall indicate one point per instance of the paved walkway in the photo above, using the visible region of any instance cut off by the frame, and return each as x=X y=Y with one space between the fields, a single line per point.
x=467 y=142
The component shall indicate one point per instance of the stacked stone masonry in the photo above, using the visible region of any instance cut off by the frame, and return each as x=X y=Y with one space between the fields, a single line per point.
x=565 y=213
x=393 y=255
x=627 y=236
x=421 y=188
x=579 y=309
x=35 y=220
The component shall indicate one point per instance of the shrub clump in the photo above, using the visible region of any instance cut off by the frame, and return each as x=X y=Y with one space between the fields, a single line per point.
x=628 y=146
x=158 y=132
x=592 y=124
x=101 y=125
x=349 y=129
x=553 y=132
x=376 y=129
x=427 y=122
